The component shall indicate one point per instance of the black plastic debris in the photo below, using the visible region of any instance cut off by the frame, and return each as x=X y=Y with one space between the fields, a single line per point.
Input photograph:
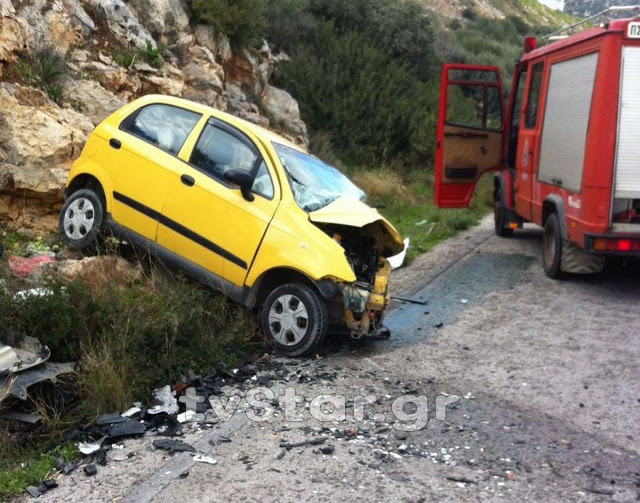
x=327 y=449
x=90 y=470
x=311 y=441
x=184 y=475
x=439 y=325
x=128 y=428
x=111 y=418
x=164 y=424
x=33 y=491
x=172 y=445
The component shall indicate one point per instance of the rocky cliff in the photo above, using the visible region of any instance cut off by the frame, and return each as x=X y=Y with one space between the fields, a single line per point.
x=585 y=8
x=67 y=64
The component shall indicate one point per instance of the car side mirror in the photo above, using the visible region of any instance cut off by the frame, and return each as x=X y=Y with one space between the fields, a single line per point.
x=243 y=179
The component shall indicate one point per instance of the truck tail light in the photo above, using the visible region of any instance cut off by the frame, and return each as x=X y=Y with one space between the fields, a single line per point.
x=529 y=44
x=616 y=244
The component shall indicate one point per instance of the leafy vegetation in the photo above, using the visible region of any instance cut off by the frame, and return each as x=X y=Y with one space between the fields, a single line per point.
x=44 y=70
x=240 y=20
x=152 y=55
x=124 y=56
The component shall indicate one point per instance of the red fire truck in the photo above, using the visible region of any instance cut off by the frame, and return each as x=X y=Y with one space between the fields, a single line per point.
x=567 y=150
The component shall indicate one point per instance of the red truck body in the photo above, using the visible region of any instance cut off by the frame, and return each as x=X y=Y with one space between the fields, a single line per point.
x=566 y=152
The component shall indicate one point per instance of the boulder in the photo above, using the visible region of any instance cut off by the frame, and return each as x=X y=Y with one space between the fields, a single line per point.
x=58 y=25
x=97 y=272
x=14 y=33
x=91 y=99
x=156 y=84
x=283 y=112
x=122 y=22
x=166 y=20
x=38 y=142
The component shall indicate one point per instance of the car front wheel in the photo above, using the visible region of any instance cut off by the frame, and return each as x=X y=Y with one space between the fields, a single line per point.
x=81 y=219
x=294 y=319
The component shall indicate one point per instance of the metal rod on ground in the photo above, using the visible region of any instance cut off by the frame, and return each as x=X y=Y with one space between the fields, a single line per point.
x=410 y=301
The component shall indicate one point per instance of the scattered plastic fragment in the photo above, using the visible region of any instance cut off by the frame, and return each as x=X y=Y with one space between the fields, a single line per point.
x=88 y=448
x=90 y=470
x=201 y=458
x=172 y=445
x=165 y=401
x=22 y=267
x=128 y=428
x=131 y=411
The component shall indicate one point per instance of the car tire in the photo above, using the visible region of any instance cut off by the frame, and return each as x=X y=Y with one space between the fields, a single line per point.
x=81 y=219
x=294 y=319
x=500 y=217
x=552 y=248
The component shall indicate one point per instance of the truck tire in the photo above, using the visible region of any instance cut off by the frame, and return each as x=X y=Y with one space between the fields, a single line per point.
x=294 y=319
x=552 y=247
x=81 y=219
x=500 y=217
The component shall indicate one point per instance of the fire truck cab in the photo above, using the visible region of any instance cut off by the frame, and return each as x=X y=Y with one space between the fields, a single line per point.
x=566 y=149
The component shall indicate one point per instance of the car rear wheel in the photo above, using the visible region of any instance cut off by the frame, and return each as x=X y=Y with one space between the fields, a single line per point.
x=294 y=319
x=81 y=219
x=552 y=247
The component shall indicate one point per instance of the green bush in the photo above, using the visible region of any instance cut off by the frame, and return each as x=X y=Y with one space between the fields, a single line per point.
x=43 y=70
x=241 y=20
x=152 y=55
x=127 y=341
x=363 y=72
x=124 y=56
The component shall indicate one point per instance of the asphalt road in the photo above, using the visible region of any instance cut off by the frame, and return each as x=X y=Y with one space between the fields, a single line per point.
x=546 y=379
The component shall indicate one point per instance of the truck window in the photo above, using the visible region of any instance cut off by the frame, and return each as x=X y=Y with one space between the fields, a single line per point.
x=474 y=105
x=515 y=119
x=531 y=114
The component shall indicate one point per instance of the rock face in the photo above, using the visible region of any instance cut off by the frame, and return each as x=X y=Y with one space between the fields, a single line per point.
x=40 y=138
x=38 y=142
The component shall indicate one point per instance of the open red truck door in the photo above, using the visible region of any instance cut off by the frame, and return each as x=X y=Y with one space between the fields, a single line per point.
x=469 y=133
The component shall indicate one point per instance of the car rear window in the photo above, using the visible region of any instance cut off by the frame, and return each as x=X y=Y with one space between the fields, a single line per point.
x=163 y=125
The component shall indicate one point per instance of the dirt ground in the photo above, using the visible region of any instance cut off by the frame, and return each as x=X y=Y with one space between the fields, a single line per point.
x=545 y=374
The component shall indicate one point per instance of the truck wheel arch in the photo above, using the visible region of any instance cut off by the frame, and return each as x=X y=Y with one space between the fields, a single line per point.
x=553 y=204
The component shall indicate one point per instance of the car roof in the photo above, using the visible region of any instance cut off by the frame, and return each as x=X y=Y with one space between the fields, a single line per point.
x=262 y=133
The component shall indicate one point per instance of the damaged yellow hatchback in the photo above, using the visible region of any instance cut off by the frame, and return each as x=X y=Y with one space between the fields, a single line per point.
x=241 y=209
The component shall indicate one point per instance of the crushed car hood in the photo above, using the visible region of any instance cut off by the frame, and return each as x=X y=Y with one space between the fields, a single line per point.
x=353 y=213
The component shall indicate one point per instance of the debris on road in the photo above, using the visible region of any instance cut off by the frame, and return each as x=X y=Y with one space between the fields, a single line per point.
x=410 y=301
x=201 y=458
x=90 y=470
x=165 y=401
x=312 y=441
x=173 y=445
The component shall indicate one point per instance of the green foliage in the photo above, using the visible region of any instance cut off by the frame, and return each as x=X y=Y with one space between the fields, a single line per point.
x=129 y=340
x=43 y=70
x=152 y=55
x=241 y=20
x=362 y=71
x=124 y=56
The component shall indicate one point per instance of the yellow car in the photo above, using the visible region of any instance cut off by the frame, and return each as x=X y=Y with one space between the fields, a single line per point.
x=242 y=210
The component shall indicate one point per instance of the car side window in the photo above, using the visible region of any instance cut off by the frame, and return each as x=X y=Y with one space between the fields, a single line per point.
x=218 y=150
x=262 y=185
x=163 y=125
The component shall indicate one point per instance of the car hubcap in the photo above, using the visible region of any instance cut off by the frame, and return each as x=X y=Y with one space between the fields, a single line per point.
x=79 y=218
x=288 y=320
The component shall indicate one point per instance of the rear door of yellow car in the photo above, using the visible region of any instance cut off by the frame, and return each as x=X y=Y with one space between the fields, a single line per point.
x=141 y=159
x=207 y=220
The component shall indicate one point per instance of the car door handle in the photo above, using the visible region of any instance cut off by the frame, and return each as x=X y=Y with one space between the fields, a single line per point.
x=115 y=143
x=187 y=180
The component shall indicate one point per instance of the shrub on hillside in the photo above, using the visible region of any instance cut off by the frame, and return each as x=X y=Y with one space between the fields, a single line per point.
x=240 y=20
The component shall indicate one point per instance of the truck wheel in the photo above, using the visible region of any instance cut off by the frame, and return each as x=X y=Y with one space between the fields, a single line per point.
x=552 y=247
x=500 y=217
x=81 y=219
x=294 y=319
